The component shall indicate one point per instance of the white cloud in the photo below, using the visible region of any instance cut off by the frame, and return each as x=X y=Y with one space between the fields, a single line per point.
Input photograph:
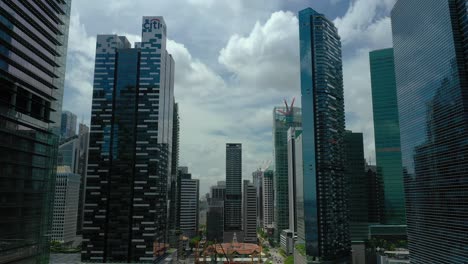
x=80 y=68
x=359 y=24
x=268 y=57
x=364 y=27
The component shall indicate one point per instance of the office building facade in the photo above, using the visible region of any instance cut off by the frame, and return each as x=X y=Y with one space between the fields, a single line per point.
x=326 y=234
x=356 y=182
x=173 y=188
x=249 y=214
x=257 y=178
x=33 y=39
x=189 y=207
x=375 y=195
x=218 y=192
x=215 y=221
x=432 y=92
x=68 y=125
x=215 y=214
x=233 y=199
x=268 y=200
x=293 y=133
x=130 y=152
x=387 y=135
x=66 y=201
x=283 y=118
x=73 y=152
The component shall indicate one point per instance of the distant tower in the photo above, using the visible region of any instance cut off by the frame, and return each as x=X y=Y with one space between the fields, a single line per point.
x=233 y=200
x=268 y=200
x=189 y=204
x=283 y=118
x=249 y=214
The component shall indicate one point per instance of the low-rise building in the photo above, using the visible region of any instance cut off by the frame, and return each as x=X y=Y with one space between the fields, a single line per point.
x=287 y=238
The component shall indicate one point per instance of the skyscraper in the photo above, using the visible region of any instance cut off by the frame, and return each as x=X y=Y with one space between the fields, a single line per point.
x=233 y=200
x=431 y=58
x=283 y=118
x=326 y=234
x=34 y=37
x=173 y=188
x=67 y=193
x=189 y=208
x=268 y=200
x=215 y=221
x=293 y=133
x=73 y=152
x=130 y=153
x=218 y=191
x=83 y=139
x=215 y=214
x=356 y=182
x=387 y=135
x=68 y=125
x=257 y=177
x=375 y=195
x=249 y=214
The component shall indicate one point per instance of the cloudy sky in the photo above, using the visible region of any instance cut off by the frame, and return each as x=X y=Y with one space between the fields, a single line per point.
x=235 y=61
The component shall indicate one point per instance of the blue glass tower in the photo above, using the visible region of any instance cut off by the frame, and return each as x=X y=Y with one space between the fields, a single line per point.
x=323 y=204
x=129 y=166
x=430 y=47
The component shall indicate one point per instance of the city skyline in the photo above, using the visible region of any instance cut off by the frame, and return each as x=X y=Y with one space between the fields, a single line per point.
x=367 y=165
x=197 y=106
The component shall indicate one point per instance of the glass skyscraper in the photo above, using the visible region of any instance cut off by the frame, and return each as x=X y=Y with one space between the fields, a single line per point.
x=283 y=118
x=387 y=135
x=430 y=41
x=68 y=125
x=357 y=185
x=130 y=152
x=324 y=201
x=33 y=49
x=174 y=182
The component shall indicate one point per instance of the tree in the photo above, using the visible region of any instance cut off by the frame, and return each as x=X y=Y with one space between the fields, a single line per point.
x=194 y=241
x=289 y=260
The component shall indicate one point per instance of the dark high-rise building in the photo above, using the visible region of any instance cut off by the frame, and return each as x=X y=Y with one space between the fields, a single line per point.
x=130 y=153
x=430 y=42
x=249 y=214
x=173 y=215
x=68 y=125
x=33 y=49
x=324 y=201
x=233 y=199
x=375 y=195
x=356 y=182
x=215 y=214
x=268 y=201
x=283 y=118
x=387 y=135
x=215 y=221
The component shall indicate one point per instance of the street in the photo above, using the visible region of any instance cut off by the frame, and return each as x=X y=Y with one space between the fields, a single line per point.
x=276 y=257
